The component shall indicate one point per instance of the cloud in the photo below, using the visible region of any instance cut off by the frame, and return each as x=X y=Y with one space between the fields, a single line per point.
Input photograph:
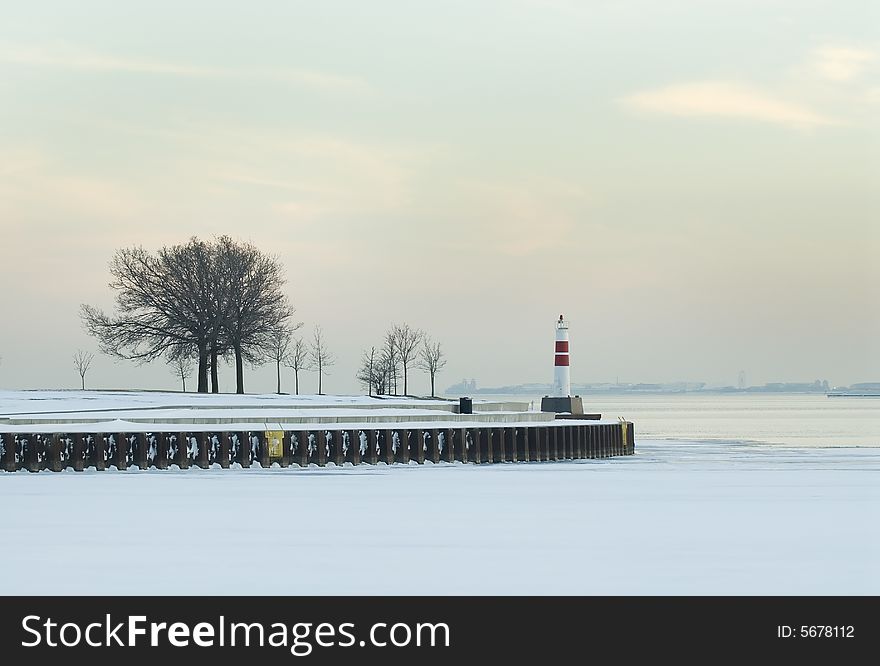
x=841 y=63
x=725 y=100
x=78 y=59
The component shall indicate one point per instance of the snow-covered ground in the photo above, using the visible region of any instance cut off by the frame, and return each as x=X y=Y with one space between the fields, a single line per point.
x=676 y=518
x=144 y=411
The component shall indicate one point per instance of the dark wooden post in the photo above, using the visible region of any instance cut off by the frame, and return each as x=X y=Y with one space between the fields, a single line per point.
x=533 y=443
x=486 y=446
x=498 y=450
x=354 y=447
x=472 y=445
x=7 y=452
x=371 y=456
x=322 y=443
x=432 y=453
x=135 y=443
x=99 y=452
x=417 y=448
x=448 y=453
x=337 y=447
x=224 y=455
x=201 y=452
x=461 y=445
x=160 y=449
x=310 y=446
x=401 y=454
x=285 y=449
x=32 y=459
x=181 y=440
x=54 y=450
x=122 y=450
x=386 y=455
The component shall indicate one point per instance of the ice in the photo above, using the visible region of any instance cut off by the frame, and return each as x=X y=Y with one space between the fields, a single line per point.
x=676 y=518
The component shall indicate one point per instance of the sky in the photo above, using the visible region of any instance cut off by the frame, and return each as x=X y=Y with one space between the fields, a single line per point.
x=693 y=184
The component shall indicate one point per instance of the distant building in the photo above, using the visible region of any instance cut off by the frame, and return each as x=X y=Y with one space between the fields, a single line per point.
x=463 y=387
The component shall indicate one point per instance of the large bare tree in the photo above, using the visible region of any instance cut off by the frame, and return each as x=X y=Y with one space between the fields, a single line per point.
x=431 y=360
x=406 y=342
x=253 y=303
x=163 y=301
x=321 y=358
x=219 y=298
x=298 y=359
x=82 y=360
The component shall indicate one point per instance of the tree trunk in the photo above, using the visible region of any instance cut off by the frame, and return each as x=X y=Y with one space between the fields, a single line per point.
x=296 y=379
x=405 y=392
x=278 y=370
x=319 y=380
x=183 y=379
x=432 y=384
x=239 y=371
x=203 y=370
x=215 y=380
x=83 y=378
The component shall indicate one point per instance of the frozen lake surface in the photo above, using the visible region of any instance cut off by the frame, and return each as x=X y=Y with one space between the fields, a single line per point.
x=677 y=518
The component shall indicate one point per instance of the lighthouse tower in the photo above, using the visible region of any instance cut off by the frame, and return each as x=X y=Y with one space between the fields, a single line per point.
x=561 y=374
x=561 y=401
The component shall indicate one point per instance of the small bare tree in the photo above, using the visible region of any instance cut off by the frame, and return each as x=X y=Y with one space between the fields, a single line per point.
x=373 y=372
x=320 y=357
x=390 y=361
x=276 y=348
x=298 y=359
x=365 y=373
x=81 y=361
x=431 y=360
x=406 y=341
x=182 y=365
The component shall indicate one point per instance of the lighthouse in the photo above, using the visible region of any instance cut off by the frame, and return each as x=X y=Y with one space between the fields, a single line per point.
x=561 y=373
x=561 y=401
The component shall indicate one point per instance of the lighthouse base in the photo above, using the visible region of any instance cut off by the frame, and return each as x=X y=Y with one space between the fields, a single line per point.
x=568 y=404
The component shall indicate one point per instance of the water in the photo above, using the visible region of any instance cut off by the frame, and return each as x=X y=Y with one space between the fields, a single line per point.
x=792 y=420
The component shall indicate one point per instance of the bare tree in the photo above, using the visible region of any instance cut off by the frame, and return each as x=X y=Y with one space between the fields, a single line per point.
x=390 y=361
x=406 y=342
x=181 y=363
x=373 y=373
x=253 y=303
x=431 y=360
x=319 y=356
x=164 y=302
x=219 y=298
x=81 y=361
x=277 y=348
x=298 y=359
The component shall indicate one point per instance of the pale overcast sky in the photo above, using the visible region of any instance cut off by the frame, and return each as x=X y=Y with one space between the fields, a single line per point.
x=694 y=184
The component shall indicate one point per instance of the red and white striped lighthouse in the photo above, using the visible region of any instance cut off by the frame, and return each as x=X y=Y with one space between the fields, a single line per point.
x=561 y=376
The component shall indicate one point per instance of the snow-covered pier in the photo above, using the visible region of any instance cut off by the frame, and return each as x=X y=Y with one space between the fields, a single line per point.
x=43 y=430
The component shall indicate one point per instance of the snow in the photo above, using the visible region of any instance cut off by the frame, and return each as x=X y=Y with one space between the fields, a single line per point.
x=676 y=518
x=141 y=411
